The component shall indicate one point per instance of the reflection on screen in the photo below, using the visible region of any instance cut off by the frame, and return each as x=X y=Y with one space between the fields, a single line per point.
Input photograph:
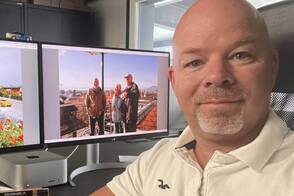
x=92 y=93
x=19 y=105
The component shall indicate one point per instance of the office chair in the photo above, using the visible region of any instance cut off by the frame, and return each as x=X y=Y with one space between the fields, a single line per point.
x=279 y=18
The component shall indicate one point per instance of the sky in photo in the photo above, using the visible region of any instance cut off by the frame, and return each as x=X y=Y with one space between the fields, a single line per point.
x=142 y=67
x=77 y=69
x=10 y=67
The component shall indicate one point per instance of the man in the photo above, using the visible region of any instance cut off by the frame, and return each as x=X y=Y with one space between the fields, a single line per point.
x=131 y=94
x=95 y=102
x=224 y=71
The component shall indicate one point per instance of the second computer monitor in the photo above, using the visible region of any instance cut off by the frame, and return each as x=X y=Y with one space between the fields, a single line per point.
x=93 y=94
x=20 y=103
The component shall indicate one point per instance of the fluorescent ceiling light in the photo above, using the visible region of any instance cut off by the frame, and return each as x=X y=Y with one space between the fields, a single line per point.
x=166 y=2
x=162 y=33
x=262 y=3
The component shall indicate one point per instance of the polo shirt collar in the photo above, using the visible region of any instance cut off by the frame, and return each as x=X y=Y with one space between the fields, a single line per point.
x=259 y=151
x=185 y=138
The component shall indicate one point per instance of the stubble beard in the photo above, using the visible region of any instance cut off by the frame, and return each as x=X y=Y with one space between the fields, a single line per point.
x=222 y=121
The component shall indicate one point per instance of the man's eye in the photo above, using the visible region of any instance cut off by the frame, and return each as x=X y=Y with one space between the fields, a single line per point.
x=194 y=63
x=242 y=56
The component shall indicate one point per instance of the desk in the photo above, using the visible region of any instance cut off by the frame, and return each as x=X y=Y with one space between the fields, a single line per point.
x=86 y=183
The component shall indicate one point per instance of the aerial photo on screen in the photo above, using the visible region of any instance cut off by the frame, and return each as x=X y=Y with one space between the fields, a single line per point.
x=11 y=105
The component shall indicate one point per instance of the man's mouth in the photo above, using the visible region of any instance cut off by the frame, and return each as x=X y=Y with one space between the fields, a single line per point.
x=221 y=101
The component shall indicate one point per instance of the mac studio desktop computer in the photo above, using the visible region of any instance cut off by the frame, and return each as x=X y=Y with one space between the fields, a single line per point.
x=21 y=121
x=94 y=95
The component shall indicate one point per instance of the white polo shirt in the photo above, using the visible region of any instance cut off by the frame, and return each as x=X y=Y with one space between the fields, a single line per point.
x=264 y=167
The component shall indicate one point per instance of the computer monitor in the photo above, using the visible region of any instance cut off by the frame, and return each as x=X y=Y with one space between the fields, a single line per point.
x=20 y=103
x=101 y=94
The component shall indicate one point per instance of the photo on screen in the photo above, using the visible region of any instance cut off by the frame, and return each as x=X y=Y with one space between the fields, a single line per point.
x=93 y=93
x=131 y=92
x=11 y=110
x=78 y=71
x=19 y=108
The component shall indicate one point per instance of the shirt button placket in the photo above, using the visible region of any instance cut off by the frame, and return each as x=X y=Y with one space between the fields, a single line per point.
x=195 y=184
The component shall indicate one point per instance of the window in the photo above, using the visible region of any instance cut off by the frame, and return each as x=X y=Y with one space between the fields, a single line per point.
x=158 y=19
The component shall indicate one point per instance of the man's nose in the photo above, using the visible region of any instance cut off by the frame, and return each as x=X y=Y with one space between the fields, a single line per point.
x=219 y=74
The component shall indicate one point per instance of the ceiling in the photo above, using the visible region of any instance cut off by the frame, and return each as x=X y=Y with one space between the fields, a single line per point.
x=168 y=13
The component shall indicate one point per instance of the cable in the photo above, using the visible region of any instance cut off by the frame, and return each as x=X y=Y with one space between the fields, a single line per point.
x=72 y=152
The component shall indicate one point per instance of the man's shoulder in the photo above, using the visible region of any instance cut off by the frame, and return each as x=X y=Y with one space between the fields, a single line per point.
x=165 y=143
x=99 y=89
x=286 y=150
x=135 y=84
x=162 y=147
x=90 y=90
x=288 y=142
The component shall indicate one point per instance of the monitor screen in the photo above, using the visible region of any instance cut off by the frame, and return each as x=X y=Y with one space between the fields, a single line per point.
x=19 y=96
x=102 y=94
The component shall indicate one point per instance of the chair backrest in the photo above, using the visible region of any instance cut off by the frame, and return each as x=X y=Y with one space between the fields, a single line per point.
x=279 y=18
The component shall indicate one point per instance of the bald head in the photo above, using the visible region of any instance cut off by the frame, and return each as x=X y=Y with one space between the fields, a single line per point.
x=212 y=17
x=223 y=55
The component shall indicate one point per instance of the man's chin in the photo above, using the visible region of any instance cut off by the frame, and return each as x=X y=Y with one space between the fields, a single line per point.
x=221 y=124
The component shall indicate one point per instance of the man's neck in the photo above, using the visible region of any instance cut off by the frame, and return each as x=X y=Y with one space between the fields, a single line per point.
x=205 y=148
x=204 y=152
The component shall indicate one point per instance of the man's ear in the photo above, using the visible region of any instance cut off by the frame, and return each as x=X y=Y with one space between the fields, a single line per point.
x=171 y=76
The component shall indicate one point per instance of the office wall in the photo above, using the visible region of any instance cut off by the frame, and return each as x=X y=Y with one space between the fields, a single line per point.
x=11 y=18
x=47 y=24
x=59 y=25
x=110 y=22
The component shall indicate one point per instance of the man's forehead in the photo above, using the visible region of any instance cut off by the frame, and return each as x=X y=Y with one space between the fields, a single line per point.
x=193 y=39
x=224 y=44
x=194 y=29
x=190 y=47
x=212 y=15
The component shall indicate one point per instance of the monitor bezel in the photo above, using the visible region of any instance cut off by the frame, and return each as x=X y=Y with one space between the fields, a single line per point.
x=40 y=95
x=113 y=138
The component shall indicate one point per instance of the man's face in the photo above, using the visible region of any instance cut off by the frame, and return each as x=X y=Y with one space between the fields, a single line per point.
x=223 y=75
x=96 y=83
x=129 y=80
x=117 y=89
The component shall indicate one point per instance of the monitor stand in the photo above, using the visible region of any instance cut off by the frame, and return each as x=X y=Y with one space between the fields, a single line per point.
x=93 y=163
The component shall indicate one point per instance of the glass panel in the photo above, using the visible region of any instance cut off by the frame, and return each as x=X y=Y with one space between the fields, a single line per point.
x=158 y=19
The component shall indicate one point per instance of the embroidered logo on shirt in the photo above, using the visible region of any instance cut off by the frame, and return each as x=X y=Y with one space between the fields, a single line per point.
x=163 y=186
